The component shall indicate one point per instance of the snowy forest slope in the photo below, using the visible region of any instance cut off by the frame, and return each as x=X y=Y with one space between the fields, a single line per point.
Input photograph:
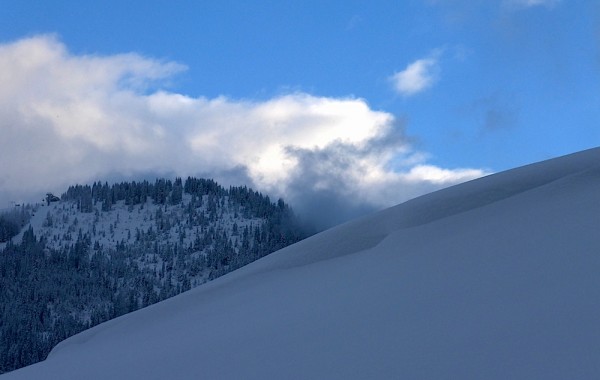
x=102 y=251
x=496 y=278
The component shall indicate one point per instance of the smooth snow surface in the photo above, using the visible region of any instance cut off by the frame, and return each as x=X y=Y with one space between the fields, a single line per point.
x=498 y=278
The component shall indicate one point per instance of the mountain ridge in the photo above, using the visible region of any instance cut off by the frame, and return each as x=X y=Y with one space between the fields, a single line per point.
x=101 y=251
x=500 y=289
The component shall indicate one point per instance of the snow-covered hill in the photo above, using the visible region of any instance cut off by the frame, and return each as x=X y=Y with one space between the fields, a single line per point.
x=497 y=278
x=102 y=251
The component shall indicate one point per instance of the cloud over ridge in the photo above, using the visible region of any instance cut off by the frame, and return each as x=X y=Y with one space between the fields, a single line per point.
x=69 y=118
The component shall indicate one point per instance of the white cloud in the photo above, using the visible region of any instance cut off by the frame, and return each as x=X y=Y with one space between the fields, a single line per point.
x=68 y=119
x=516 y=4
x=417 y=76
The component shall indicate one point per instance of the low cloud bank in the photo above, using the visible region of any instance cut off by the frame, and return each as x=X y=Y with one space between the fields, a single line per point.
x=68 y=118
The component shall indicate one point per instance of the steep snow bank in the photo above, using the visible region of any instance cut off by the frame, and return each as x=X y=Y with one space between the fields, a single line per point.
x=495 y=278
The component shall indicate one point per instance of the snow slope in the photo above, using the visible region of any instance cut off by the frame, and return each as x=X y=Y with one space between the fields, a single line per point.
x=492 y=279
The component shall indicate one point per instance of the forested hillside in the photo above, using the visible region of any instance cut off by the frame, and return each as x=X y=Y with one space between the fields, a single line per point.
x=105 y=250
x=12 y=221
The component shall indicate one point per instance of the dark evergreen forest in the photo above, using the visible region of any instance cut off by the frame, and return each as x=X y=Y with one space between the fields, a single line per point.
x=11 y=222
x=52 y=291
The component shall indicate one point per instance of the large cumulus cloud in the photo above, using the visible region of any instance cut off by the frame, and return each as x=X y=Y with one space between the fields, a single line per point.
x=68 y=118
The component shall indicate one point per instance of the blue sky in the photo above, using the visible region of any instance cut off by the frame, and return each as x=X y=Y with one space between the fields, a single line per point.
x=464 y=87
